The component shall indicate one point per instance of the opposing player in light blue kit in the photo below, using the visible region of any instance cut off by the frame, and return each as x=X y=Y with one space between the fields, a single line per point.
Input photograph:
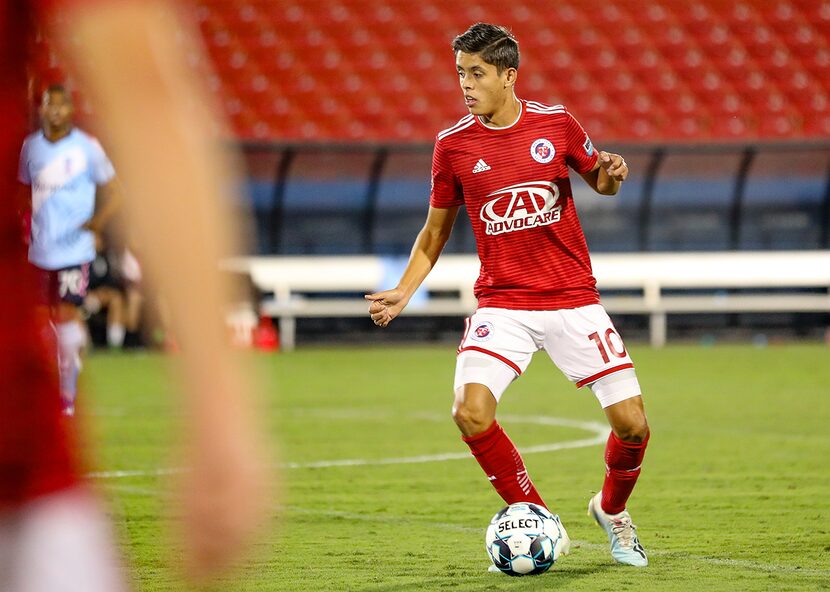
x=73 y=195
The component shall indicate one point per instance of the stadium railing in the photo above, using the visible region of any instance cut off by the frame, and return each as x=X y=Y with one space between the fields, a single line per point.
x=652 y=284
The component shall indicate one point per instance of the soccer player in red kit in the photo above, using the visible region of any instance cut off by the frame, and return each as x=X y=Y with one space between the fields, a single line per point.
x=507 y=161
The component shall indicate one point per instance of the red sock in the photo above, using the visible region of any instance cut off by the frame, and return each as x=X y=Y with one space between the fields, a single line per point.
x=503 y=465
x=622 y=467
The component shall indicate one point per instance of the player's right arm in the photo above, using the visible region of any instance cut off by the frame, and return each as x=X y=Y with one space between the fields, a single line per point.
x=23 y=197
x=388 y=304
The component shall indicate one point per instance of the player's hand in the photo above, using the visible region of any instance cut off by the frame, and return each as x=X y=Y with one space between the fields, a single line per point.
x=614 y=165
x=385 y=306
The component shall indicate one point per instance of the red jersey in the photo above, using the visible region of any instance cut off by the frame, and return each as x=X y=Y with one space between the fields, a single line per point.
x=35 y=456
x=514 y=183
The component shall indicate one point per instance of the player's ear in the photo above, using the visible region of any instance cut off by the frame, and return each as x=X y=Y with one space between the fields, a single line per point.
x=510 y=75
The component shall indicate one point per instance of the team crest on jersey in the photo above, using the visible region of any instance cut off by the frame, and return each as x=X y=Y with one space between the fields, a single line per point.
x=522 y=206
x=542 y=150
x=483 y=331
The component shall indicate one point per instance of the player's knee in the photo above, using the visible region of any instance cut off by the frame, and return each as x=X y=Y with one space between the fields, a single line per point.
x=636 y=430
x=470 y=418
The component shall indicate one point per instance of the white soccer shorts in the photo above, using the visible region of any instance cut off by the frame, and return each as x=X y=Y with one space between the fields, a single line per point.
x=499 y=343
x=59 y=543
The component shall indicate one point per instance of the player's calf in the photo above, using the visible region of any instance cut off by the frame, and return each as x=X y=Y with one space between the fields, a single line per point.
x=71 y=341
x=503 y=465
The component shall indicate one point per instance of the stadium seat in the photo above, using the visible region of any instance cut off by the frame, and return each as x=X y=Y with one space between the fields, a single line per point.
x=665 y=49
x=817 y=125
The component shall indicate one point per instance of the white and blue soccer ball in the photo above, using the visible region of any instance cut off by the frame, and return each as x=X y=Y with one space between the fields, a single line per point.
x=525 y=539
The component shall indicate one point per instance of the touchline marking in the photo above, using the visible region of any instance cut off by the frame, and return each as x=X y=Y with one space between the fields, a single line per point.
x=599 y=430
x=134 y=473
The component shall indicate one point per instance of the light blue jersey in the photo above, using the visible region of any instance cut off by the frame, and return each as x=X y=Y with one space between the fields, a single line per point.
x=63 y=176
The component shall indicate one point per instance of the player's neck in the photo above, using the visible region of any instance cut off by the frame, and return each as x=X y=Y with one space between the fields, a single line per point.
x=55 y=135
x=505 y=115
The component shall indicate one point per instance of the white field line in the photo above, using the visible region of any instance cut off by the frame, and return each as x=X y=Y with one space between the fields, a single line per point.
x=600 y=434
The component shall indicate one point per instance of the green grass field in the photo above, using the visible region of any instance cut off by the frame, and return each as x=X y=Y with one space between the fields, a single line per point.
x=733 y=495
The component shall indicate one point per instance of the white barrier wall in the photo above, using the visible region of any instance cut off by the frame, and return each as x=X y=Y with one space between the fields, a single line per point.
x=289 y=279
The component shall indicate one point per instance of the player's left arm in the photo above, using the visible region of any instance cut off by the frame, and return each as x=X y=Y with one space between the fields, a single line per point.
x=108 y=198
x=608 y=173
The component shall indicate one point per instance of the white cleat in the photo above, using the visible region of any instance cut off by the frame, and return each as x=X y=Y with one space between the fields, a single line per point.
x=565 y=548
x=622 y=534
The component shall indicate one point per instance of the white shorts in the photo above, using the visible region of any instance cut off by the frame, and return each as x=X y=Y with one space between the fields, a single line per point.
x=61 y=541
x=499 y=343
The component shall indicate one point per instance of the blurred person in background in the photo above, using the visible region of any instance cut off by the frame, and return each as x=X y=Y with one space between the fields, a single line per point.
x=74 y=194
x=115 y=293
x=53 y=534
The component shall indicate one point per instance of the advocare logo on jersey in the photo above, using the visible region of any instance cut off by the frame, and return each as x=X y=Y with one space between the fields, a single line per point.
x=522 y=206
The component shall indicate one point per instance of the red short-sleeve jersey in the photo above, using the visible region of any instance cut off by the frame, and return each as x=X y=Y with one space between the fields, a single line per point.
x=515 y=186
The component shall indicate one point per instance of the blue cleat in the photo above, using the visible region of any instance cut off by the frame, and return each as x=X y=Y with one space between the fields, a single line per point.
x=622 y=534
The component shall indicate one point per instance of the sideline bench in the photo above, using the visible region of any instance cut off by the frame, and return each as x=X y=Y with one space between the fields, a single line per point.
x=316 y=286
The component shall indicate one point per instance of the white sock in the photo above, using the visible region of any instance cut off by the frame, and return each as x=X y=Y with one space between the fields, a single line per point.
x=115 y=335
x=71 y=340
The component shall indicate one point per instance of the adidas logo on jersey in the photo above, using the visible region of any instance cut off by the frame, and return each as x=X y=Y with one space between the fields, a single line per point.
x=481 y=166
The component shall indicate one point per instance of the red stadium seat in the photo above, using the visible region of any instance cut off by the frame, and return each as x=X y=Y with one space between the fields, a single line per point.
x=779 y=125
x=634 y=70
x=817 y=126
x=731 y=127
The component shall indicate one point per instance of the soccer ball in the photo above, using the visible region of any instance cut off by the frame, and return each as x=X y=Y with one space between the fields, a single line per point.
x=525 y=539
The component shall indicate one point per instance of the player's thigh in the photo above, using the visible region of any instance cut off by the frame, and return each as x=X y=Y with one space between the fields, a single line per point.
x=628 y=419
x=46 y=284
x=586 y=347
x=496 y=348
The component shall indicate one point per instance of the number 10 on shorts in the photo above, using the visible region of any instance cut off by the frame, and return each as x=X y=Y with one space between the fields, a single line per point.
x=605 y=344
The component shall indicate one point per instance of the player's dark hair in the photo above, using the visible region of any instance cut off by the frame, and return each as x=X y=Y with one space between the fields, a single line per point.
x=496 y=45
x=56 y=88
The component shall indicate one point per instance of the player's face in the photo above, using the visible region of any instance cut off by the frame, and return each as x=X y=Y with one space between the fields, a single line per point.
x=56 y=111
x=486 y=91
